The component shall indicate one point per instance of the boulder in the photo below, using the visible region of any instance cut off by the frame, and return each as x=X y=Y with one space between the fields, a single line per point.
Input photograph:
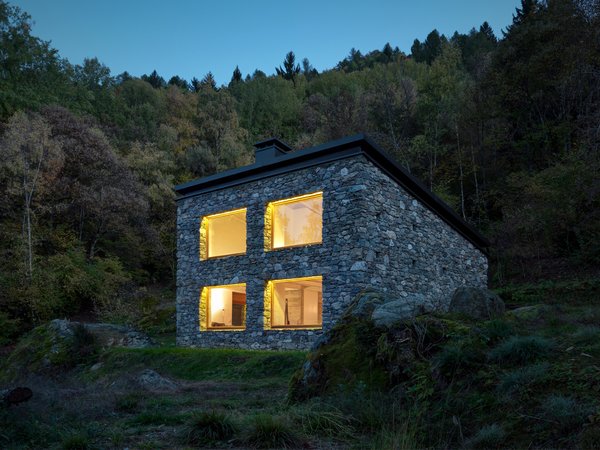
x=364 y=304
x=153 y=381
x=477 y=303
x=391 y=312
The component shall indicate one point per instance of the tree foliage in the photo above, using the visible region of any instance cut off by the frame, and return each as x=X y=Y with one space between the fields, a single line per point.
x=504 y=129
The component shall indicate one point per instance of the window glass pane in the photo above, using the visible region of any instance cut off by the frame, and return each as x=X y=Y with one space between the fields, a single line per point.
x=298 y=222
x=227 y=306
x=227 y=233
x=297 y=303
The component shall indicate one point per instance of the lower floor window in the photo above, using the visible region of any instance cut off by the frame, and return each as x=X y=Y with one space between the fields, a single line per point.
x=226 y=306
x=297 y=303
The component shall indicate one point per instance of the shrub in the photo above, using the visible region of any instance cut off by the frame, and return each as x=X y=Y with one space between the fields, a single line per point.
x=487 y=437
x=521 y=350
x=458 y=355
x=497 y=330
x=209 y=427
x=566 y=412
x=266 y=431
x=8 y=328
x=518 y=379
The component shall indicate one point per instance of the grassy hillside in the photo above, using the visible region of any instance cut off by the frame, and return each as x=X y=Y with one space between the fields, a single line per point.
x=526 y=380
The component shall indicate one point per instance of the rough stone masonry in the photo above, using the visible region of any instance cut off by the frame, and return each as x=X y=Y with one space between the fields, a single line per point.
x=374 y=235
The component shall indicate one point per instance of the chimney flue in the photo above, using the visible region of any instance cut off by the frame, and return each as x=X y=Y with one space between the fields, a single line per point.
x=269 y=150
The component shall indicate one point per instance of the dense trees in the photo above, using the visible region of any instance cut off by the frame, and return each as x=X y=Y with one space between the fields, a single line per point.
x=505 y=130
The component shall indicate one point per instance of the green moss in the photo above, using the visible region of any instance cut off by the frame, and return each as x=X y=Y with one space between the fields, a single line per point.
x=203 y=364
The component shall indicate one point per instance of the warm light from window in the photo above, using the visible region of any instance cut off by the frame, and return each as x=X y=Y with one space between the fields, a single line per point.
x=223 y=234
x=223 y=307
x=295 y=221
x=296 y=303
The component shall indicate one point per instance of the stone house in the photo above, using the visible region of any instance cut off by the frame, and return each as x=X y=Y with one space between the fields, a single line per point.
x=269 y=255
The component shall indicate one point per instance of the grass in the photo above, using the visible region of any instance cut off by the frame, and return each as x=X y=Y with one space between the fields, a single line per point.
x=521 y=350
x=203 y=364
x=267 y=431
x=520 y=381
x=209 y=427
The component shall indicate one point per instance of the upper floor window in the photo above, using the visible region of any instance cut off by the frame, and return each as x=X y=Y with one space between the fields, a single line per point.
x=223 y=234
x=295 y=221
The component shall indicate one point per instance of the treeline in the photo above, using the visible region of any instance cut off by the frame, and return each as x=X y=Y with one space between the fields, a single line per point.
x=505 y=130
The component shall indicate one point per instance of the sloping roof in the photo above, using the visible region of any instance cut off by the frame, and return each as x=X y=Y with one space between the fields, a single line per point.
x=347 y=147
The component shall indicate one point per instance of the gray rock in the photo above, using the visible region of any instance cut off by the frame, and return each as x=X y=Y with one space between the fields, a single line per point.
x=153 y=381
x=105 y=334
x=389 y=313
x=478 y=303
x=531 y=312
x=364 y=305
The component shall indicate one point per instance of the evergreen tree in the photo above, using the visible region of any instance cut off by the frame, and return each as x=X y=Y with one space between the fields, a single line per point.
x=308 y=70
x=155 y=80
x=290 y=69
x=195 y=84
x=388 y=52
x=179 y=82
x=236 y=77
x=209 y=81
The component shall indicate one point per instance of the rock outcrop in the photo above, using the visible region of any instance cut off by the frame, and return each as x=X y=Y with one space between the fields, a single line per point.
x=477 y=303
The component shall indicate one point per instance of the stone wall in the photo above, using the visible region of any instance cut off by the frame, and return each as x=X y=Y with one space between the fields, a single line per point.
x=374 y=234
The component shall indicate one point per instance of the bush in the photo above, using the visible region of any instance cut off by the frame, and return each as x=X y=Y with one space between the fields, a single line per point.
x=518 y=379
x=209 y=427
x=566 y=412
x=521 y=350
x=497 y=330
x=489 y=436
x=458 y=355
x=8 y=329
x=266 y=431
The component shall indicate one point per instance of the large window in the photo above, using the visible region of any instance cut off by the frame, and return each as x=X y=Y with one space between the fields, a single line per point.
x=225 y=306
x=223 y=234
x=296 y=303
x=296 y=221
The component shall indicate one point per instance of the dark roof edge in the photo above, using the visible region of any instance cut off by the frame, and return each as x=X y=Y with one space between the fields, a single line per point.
x=332 y=151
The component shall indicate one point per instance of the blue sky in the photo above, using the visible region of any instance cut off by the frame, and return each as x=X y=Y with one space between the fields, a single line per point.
x=190 y=38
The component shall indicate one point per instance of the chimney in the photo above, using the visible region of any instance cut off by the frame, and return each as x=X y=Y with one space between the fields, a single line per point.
x=267 y=151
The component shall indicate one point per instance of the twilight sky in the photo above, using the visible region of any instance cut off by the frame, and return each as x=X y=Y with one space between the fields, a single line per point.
x=191 y=37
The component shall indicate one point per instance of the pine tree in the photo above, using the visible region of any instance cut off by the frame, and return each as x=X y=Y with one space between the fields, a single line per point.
x=209 y=80
x=155 y=80
x=290 y=69
x=236 y=77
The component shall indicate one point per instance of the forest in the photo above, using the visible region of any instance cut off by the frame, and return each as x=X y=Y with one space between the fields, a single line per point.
x=501 y=124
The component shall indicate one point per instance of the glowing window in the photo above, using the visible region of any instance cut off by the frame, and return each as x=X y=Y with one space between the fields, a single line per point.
x=297 y=303
x=223 y=234
x=226 y=307
x=296 y=221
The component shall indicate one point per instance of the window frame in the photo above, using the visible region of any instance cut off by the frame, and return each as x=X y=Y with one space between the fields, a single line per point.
x=270 y=211
x=204 y=241
x=271 y=298
x=208 y=327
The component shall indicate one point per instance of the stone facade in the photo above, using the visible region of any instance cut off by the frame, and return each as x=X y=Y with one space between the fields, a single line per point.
x=374 y=235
